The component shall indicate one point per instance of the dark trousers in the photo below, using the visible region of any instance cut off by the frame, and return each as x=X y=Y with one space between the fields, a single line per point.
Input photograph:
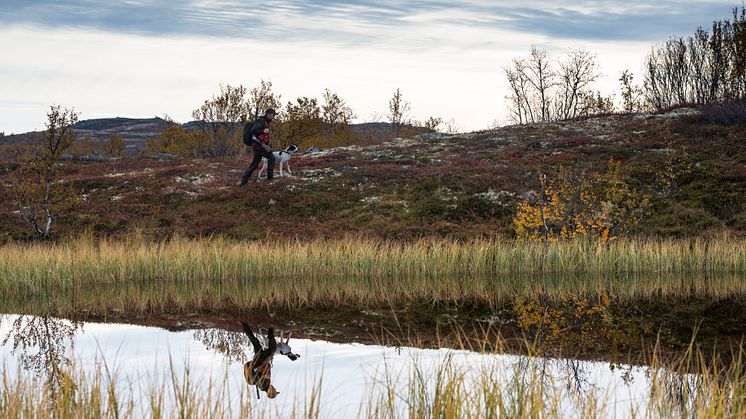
x=255 y=342
x=259 y=153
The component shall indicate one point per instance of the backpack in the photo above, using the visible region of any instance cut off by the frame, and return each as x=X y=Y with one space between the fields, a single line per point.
x=247 y=136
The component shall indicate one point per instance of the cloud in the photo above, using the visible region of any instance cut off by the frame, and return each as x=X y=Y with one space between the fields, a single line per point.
x=146 y=57
x=409 y=23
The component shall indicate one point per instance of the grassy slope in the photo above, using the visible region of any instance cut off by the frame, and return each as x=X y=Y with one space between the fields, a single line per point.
x=458 y=186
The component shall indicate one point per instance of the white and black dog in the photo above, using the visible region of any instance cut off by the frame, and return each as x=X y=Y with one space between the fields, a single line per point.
x=283 y=348
x=282 y=158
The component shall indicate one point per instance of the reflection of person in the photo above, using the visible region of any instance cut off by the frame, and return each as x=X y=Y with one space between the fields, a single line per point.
x=258 y=371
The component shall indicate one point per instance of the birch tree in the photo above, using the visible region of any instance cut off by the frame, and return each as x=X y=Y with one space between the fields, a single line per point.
x=38 y=190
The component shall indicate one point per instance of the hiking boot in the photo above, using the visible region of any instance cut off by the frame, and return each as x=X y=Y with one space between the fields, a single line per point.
x=242 y=182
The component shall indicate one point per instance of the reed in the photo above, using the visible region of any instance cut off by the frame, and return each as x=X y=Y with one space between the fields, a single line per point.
x=218 y=273
x=690 y=385
x=97 y=394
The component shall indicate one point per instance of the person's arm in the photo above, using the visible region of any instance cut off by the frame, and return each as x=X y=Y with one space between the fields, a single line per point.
x=259 y=128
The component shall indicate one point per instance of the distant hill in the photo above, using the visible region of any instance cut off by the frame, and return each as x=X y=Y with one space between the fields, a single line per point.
x=136 y=131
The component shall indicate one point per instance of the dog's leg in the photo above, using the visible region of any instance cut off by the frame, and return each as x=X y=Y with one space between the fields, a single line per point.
x=263 y=169
x=287 y=167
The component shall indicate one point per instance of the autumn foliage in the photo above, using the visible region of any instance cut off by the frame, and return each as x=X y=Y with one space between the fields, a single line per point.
x=599 y=205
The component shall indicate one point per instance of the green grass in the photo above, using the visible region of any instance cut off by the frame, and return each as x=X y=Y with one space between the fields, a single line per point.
x=218 y=274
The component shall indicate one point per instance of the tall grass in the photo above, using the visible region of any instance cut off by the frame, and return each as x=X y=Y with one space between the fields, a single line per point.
x=690 y=385
x=217 y=273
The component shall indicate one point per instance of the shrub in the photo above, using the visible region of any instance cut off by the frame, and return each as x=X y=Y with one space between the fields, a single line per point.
x=597 y=205
x=732 y=112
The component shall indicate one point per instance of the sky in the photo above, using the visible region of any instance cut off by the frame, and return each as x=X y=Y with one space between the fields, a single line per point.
x=146 y=58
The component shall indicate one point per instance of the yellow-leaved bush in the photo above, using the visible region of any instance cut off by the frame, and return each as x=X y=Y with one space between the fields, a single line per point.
x=598 y=205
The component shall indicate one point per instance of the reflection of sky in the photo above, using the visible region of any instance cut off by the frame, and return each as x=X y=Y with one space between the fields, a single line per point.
x=140 y=356
x=142 y=58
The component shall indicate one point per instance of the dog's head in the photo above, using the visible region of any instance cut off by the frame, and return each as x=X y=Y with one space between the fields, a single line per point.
x=283 y=347
x=291 y=149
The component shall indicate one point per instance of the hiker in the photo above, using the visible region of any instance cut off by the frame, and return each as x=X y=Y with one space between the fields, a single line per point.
x=258 y=371
x=257 y=135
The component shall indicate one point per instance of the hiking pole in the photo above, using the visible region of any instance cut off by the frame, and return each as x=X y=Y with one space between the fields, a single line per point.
x=257 y=392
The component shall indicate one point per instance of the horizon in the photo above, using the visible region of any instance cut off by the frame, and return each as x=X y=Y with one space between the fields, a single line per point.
x=145 y=58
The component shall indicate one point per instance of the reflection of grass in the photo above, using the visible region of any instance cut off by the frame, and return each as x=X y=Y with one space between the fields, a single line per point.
x=690 y=385
x=99 y=394
x=217 y=274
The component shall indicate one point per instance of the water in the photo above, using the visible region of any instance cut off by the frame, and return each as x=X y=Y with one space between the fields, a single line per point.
x=353 y=374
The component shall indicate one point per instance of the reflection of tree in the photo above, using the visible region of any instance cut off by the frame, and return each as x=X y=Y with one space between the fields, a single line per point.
x=674 y=390
x=625 y=372
x=41 y=343
x=576 y=376
x=231 y=344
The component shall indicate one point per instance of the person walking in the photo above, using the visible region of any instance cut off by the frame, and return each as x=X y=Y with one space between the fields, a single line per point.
x=257 y=134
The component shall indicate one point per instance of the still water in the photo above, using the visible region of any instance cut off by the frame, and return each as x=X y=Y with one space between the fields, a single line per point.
x=354 y=375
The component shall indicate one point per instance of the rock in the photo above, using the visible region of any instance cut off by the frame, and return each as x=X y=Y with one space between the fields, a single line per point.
x=432 y=136
x=503 y=198
x=162 y=156
x=530 y=196
x=541 y=144
x=82 y=158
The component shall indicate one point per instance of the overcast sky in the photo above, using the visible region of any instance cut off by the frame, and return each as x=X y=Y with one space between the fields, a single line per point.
x=145 y=58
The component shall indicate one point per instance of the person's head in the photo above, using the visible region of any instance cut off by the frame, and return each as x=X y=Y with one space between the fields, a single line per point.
x=272 y=392
x=270 y=114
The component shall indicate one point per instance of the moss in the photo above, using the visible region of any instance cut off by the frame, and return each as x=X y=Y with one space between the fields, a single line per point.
x=679 y=220
x=738 y=222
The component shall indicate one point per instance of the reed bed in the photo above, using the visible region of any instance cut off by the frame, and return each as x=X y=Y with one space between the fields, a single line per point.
x=98 y=394
x=221 y=273
x=691 y=385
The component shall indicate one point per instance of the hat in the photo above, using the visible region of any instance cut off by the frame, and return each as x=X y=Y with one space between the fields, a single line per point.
x=270 y=111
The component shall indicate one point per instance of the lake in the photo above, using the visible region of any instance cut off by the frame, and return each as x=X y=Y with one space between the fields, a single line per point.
x=343 y=379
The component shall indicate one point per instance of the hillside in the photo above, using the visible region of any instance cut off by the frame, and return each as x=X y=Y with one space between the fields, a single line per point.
x=458 y=186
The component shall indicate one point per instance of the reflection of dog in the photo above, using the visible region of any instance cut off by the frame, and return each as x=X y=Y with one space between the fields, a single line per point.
x=258 y=371
x=283 y=348
x=281 y=157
